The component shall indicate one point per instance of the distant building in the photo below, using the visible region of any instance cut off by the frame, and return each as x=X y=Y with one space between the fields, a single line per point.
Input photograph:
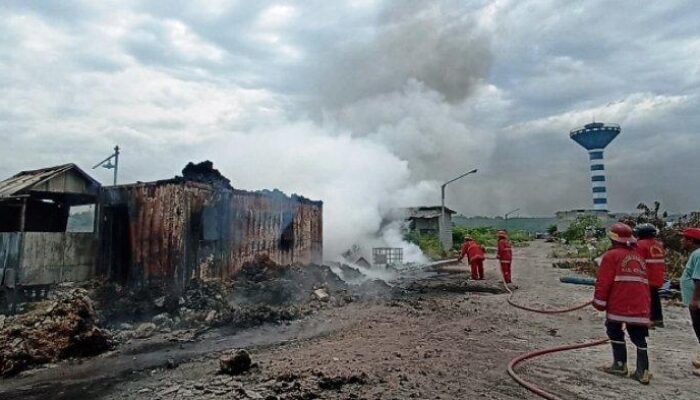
x=428 y=221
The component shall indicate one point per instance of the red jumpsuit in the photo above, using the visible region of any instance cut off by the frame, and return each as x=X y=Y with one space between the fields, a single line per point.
x=652 y=251
x=475 y=255
x=505 y=255
x=622 y=287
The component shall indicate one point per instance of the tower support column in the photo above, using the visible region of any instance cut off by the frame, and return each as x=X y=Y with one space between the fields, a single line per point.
x=598 y=180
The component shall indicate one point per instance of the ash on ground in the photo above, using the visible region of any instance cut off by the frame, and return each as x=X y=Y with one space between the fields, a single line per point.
x=91 y=320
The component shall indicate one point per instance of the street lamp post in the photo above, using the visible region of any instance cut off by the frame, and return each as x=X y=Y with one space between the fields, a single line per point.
x=442 y=204
x=107 y=163
x=507 y=214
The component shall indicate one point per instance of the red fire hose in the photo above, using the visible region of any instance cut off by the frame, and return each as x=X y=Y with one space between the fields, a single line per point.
x=523 y=357
x=543 y=311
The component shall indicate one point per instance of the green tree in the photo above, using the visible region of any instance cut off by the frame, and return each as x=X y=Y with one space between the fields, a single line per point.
x=577 y=230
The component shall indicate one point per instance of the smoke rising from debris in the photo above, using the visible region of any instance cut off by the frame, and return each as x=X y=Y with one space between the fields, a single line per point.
x=430 y=86
x=390 y=126
x=367 y=114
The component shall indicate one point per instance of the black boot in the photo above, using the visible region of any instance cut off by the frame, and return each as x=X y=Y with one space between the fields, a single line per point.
x=619 y=366
x=642 y=374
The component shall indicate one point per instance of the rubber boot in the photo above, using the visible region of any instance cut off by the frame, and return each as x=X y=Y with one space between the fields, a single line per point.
x=642 y=374
x=657 y=324
x=619 y=365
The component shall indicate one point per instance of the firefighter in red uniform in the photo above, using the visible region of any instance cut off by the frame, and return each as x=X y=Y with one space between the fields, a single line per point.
x=622 y=291
x=504 y=254
x=652 y=251
x=475 y=256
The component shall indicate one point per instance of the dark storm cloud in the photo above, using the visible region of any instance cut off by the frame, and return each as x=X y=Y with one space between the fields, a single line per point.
x=435 y=43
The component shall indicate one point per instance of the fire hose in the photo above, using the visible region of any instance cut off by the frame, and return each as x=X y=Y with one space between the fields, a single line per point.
x=524 y=357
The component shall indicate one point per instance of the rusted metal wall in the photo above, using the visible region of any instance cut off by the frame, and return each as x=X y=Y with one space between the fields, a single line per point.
x=160 y=218
x=287 y=229
x=182 y=230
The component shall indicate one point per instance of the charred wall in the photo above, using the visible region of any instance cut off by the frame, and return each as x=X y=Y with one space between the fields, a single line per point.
x=170 y=232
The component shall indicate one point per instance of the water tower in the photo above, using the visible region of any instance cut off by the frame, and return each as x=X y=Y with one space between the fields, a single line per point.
x=594 y=137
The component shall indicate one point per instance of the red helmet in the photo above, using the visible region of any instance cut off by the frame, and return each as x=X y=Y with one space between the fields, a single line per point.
x=621 y=233
x=692 y=233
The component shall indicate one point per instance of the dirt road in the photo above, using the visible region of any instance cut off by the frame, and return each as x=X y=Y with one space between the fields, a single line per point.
x=431 y=342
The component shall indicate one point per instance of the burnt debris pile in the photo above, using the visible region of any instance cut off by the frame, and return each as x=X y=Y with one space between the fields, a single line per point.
x=204 y=172
x=262 y=292
x=54 y=330
x=265 y=282
x=447 y=284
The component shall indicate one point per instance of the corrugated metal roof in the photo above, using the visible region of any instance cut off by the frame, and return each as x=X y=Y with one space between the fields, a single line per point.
x=24 y=181
x=427 y=212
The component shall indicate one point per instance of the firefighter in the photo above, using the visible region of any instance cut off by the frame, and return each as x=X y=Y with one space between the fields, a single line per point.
x=475 y=257
x=622 y=291
x=690 y=282
x=653 y=253
x=504 y=254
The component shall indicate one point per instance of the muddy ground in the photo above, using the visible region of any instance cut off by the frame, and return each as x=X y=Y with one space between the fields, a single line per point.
x=436 y=337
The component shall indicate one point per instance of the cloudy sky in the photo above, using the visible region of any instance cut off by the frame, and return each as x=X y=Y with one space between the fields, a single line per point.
x=365 y=104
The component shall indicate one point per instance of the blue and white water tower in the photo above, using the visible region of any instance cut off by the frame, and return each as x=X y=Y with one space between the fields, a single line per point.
x=594 y=137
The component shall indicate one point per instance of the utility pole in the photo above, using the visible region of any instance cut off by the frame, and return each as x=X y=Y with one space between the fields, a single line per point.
x=507 y=214
x=443 y=239
x=107 y=163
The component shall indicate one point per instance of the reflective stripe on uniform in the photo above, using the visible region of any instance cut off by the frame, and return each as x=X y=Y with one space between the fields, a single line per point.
x=654 y=261
x=600 y=302
x=505 y=261
x=636 y=279
x=631 y=320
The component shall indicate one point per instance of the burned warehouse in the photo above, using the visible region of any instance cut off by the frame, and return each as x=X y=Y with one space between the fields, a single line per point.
x=164 y=233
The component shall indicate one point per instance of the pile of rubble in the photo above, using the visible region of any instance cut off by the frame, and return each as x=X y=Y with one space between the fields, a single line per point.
x=53 y=330
x=141 y=314
x=204 y=172
x=263 y=291
x=265 y=282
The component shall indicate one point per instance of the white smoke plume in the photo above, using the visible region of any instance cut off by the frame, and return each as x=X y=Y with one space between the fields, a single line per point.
x=388 y=118
x=367 y=118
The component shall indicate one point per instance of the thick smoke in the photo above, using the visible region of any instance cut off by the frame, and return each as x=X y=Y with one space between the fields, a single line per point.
x=393 y=107
x=359 y=180
x=367 y=119
x=434 y=43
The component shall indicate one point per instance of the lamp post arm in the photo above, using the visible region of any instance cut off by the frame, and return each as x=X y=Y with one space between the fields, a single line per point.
x=459 y=177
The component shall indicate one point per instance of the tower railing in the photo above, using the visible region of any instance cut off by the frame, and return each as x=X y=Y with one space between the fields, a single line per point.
x=602 y=128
